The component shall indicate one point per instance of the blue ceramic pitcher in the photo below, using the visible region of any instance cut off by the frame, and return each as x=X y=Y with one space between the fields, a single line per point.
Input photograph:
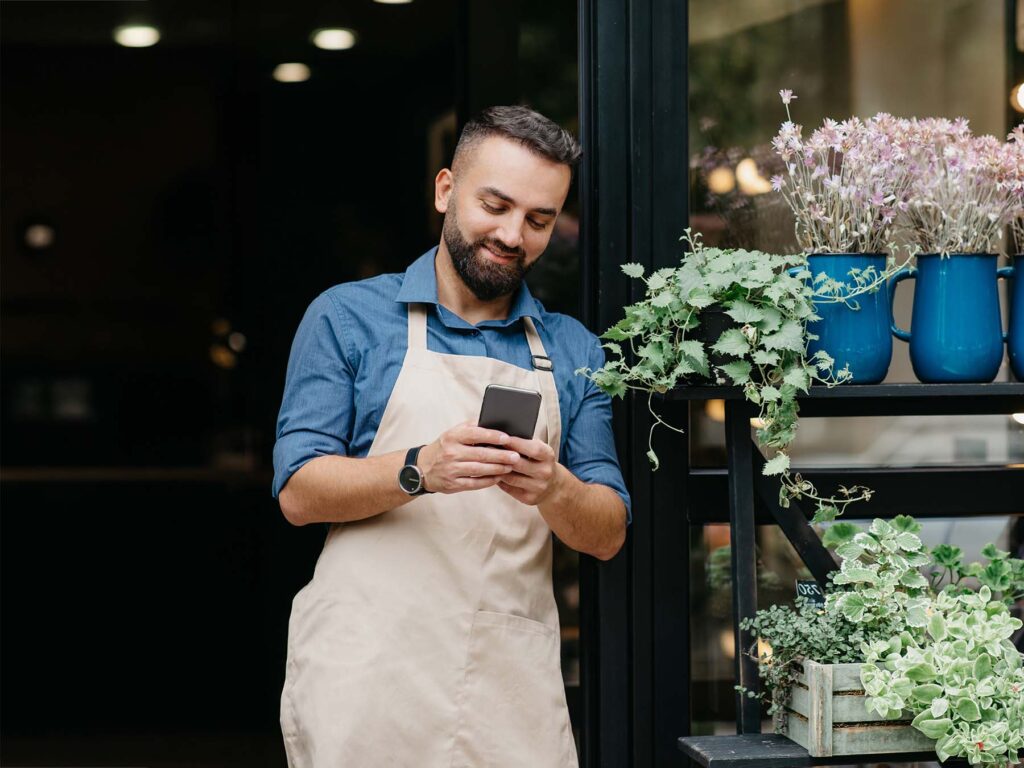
x=955 y=329
x=858 y=338
x=1015 y=338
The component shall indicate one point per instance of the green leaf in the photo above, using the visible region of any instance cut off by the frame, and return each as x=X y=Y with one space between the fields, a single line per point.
x=732 y=342
x=947 y=555
x=772 y=320
x=744 y=312
x=990 y=551
x=906 y=524
x=653 y=353
x=769 y=394
x=796 y=376
x=908 y=542
x=763 y=357
x=692 y=348
x=926 y=693
x=967 y=709
x=653 y=458
x=934 y=729
x=777 y=465
x=790 y=336
x=982 y=666
x=825 y=513
x=656 y=282
x=913 y=580
x=849 y=550
x=663 y=299
x=921 y=672
x=633 y=269
x=838 y=534
x=738 y=371
x=853 y=606
x=937 y=627
x=700 y=300
x=613 y=347
x=917 y=616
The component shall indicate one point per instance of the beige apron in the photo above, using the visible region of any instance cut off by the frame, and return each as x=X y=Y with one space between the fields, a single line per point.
x=429 y=635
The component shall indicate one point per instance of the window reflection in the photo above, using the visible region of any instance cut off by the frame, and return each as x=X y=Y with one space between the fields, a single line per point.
x=842 y=58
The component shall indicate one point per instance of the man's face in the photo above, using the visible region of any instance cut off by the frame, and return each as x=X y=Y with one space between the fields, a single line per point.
x=499 y=213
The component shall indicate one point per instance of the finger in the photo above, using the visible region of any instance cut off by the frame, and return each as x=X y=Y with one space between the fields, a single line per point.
x=516 y=493
x=473 y=435
x=480 y=469
x=489 y=455
x=535 y=449
x=474 y=483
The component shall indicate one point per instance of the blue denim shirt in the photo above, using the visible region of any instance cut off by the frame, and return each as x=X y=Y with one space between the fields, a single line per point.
x=350 y=346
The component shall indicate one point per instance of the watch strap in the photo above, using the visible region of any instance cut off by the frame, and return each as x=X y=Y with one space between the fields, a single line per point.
x=410 y=460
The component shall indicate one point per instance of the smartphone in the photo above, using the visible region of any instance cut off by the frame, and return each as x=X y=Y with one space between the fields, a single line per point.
x=510 y=410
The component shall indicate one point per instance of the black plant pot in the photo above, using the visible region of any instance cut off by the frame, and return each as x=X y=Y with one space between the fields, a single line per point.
x=713 y=323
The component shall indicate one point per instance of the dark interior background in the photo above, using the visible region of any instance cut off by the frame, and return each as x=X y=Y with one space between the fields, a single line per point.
x=197 y=206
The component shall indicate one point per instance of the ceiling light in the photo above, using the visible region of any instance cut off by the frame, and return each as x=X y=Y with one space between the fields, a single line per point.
x=715 y=410
x=393 y=2
x=722 y=180
x=291 y=72
x=1017 y=97
x=750 y=180
x=136 y=36
x=335 y=39
x=39 y=237
x=1018 y=417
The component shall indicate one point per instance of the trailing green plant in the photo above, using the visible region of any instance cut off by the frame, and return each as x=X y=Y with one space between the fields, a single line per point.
x=867 y=602
x=790 y=634
x=964 y=682
x=765 y=351
x=943 y=656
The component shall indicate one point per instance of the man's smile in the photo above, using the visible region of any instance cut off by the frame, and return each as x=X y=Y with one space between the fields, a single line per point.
x=498 y=257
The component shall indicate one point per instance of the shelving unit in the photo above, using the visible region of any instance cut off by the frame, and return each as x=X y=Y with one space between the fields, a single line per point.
x=753 y=498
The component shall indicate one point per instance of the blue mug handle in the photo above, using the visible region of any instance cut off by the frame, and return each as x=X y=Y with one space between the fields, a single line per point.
x=1006 y=273
x=907 y=273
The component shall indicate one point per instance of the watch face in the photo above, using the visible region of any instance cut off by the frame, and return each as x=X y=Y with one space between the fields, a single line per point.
x=410 y=479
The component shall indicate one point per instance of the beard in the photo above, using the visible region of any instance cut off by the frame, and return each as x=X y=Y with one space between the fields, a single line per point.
x=487 y=279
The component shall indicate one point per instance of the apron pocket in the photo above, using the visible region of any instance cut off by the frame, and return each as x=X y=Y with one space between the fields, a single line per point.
x=512 y=709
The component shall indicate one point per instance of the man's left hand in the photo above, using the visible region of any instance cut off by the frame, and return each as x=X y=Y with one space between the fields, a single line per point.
x=535 y=476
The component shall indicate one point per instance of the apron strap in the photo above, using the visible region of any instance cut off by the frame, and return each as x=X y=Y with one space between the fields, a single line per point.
x=546 y=379
x=417 y=326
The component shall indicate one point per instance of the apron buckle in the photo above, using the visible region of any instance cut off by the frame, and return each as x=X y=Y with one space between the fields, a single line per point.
x=543 y=363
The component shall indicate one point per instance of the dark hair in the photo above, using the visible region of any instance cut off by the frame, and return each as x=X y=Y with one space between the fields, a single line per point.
x=523 y=126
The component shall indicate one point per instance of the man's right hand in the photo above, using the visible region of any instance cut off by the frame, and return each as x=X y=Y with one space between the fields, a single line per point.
x=461 y=459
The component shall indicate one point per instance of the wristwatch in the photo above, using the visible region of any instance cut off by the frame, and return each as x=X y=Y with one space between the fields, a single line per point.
x=410 y=477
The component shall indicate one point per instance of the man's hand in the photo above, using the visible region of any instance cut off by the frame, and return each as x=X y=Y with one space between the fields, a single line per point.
x=460 y=459
x=535 y=474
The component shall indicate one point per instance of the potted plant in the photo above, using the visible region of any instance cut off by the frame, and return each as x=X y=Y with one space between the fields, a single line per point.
x=846 y=186
x=892 y=662
x=729 y=316
x=958 y=204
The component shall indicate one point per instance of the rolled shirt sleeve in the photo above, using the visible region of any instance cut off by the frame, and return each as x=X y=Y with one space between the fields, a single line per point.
x=317 y=409
x=590 y=441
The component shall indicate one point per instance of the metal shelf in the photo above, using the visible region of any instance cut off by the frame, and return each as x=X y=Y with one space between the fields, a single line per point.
x=887 y=399
x=755 y=750
x=924 y=492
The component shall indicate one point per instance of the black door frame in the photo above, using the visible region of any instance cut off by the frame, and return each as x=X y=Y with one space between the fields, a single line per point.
x=633 y=195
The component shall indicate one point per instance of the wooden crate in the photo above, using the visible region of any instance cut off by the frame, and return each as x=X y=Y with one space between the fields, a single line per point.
x=827 y=716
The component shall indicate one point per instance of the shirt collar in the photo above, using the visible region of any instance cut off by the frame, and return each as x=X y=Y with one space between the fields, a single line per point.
x=419 y=285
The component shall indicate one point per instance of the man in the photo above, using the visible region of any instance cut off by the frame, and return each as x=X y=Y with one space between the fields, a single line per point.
x=429 y=634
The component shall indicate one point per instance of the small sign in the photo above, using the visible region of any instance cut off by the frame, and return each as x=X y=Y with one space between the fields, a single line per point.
x=811 y=591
